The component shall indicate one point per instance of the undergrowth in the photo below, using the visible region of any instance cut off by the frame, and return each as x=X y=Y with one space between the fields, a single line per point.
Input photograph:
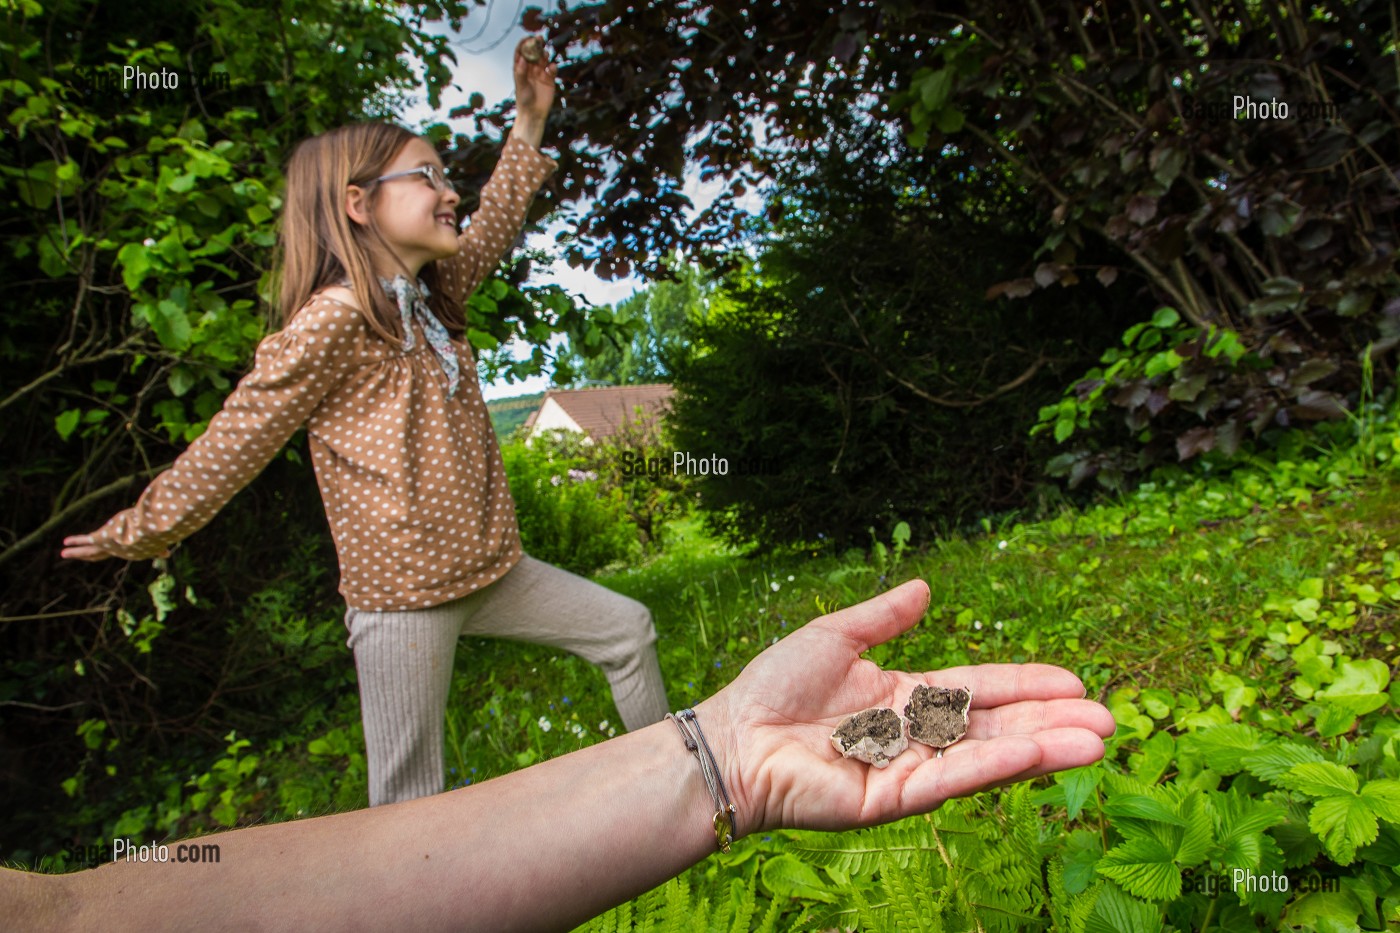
x=1240 y=625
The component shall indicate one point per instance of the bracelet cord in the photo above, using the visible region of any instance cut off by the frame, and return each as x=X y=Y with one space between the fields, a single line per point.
x=726 y=825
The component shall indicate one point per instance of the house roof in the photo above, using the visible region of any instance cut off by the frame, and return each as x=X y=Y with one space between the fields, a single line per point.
x=601 y=411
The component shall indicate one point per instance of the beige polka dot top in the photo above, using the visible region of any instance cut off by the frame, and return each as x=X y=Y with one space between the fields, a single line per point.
x=413 y=483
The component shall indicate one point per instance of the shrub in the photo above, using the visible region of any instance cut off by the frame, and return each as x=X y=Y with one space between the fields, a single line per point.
x=567 y=517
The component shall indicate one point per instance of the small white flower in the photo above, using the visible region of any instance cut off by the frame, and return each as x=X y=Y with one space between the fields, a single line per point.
x=998 y=625
x=1001 y=545
x=977 y=625
x=791 y=578
x=149 y=241
x=612 y=732
x=775 y=586
x=604 y=726
x=545 y=724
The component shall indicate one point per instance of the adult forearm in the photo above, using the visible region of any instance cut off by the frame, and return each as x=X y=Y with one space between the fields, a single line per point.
x=544 y=848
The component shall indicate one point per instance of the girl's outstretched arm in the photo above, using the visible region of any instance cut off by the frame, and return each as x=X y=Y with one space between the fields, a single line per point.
x=294 y=370
x=547 y=847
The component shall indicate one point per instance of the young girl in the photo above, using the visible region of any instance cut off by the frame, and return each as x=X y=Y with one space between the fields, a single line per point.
x=371 y=358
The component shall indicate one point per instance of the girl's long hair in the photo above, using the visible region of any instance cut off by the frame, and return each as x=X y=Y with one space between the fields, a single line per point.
x=320 y=245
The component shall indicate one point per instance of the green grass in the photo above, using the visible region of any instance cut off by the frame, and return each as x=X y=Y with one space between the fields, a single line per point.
x=1194 y=605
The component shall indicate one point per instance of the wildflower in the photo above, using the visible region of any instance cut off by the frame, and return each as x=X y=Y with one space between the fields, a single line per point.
x=774 y=586
x=545 y=724
x=1001 y=545
x=977 y=625
x=554 y=481
x=612 y=732
x=997 y=625
x=791 y=578
x=567 y=701
x=717 y=663
x=149 y=241
x=604 y=725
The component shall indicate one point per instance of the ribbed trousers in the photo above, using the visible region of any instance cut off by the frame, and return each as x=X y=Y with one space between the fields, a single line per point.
x=404 y=660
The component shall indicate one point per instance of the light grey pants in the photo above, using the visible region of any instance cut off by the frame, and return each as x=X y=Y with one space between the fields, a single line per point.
x=404 y=660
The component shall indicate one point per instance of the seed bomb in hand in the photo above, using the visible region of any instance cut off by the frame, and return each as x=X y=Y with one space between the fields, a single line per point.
x=874 y=736
x=938 y=716
x=531 y=49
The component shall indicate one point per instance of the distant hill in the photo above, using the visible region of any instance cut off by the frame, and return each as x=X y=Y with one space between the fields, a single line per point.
x=507 y=414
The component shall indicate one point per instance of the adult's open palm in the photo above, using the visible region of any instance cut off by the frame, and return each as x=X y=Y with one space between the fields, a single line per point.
x=1026 y=720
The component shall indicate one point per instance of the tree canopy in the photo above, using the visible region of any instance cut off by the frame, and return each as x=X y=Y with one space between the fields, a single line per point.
x=1271 y=239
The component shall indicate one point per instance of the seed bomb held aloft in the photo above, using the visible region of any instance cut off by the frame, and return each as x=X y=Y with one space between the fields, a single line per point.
x=531 y=49
x=873 y=735
x=938 y=716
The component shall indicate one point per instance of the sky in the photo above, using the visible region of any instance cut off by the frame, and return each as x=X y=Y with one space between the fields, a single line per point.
x=485 y=47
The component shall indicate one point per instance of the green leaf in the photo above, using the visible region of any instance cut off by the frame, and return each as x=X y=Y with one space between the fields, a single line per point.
x=1156 y=757
x=787 y=876
x=1163 y=362
x=1321 y=779
x=1078 y=784
x=1143 y=866
x=67 y=422
x=1165 y=317
x=1344 y=824
x=935 y=89
x=949 y=120
x=1140 y=807
x=136 y=262
x=1226 y=747
x=1082 y=851
x=1360 y=685
x=1234 y=694
x=1116 y=912
x=1273 y=762
x=1383 y=796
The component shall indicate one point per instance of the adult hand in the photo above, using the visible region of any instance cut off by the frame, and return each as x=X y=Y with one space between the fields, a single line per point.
x=775 y=720
x=81 y=547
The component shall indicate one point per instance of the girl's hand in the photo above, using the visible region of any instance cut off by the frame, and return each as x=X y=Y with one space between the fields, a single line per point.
x=81 y=547
x=534 y=89
x=775 y=722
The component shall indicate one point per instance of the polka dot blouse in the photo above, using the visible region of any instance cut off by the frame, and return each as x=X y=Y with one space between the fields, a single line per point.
x=413 y=483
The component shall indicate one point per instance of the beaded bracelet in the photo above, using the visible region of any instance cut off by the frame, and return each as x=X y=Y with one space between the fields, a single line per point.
x=725 y=811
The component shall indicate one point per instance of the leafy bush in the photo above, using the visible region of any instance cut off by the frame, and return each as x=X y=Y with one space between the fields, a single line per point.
x=856 y=367
x=567 y=517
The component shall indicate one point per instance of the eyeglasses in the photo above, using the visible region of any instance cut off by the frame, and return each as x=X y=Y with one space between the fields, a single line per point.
x=437 y=177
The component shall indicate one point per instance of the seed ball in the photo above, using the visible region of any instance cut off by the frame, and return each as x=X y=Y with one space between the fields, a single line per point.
x=937 y=716
x=531 y=49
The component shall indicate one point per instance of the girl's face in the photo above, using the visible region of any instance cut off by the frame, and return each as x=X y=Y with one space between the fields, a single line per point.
x=417 y=220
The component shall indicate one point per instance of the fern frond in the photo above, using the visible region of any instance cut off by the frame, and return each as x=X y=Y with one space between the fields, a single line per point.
x=743 y=896
x=770 y=919
x=863 y=852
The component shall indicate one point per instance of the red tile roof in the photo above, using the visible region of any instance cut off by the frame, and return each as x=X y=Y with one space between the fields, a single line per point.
x=602 y=411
